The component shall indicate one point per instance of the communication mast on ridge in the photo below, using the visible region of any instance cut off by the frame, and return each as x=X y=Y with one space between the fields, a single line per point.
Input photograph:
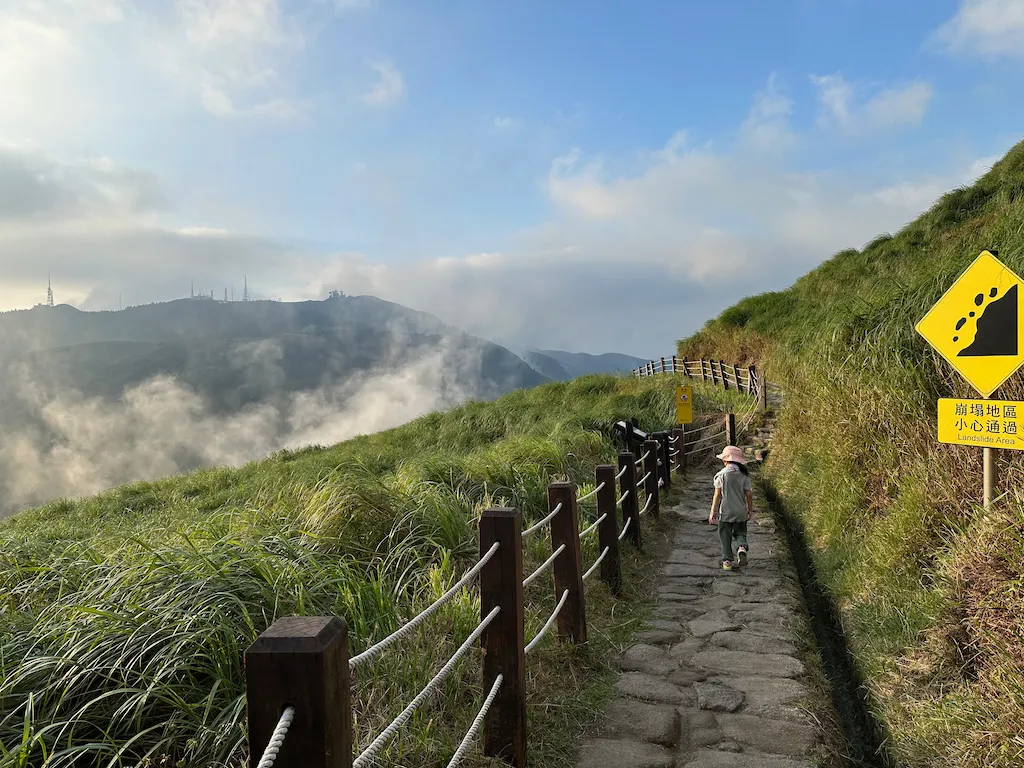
x=245 y=290
x=49 y=291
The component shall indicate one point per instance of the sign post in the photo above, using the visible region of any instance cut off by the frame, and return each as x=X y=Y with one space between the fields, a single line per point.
x=976 y=327
x=684 y=405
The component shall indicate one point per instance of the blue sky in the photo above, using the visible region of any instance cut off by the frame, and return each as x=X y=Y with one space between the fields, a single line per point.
x=517 y=168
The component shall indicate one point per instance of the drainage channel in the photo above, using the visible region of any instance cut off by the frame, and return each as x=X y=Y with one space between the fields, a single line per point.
x=864 y=735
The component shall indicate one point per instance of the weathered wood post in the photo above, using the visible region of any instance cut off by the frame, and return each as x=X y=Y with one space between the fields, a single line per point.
x=721 y=373
x=608 y=529
x=629 y=435
x=675 y=365
x=651 y=450
x=502 y=642
x=686 y=368
x=665 y=458
x=663 y=368
x=711 y=370
x=627 y=488
x=739 y=381
x=565 y=529
x=730 y=429
x=301 y=661
x=679 y=433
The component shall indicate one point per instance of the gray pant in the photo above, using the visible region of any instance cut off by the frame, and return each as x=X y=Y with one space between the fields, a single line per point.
x=730 y=533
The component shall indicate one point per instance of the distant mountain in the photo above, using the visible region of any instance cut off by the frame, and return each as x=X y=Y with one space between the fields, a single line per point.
x=546 y=366
x=580 y=363
x=85 y=395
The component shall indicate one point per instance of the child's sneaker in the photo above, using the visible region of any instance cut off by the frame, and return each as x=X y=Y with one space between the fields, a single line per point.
x=726 y=565
x=742 y=555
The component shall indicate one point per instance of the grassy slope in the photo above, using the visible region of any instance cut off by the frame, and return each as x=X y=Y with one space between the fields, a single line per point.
x=929 y=587
x=126 y=614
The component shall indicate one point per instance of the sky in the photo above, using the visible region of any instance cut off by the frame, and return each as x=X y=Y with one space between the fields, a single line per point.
x=594 y=176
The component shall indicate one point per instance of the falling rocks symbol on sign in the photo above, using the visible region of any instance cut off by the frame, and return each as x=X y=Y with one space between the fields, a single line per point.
x=997 y=327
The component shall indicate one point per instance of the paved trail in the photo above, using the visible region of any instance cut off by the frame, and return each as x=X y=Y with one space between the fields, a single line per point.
x=714 y=681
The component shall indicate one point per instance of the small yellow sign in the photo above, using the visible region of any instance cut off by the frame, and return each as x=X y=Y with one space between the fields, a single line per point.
x=988 y=423
x=976 y=324
x=684 y=405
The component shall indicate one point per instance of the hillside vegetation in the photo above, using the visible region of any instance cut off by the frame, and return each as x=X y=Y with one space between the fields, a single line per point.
x=124 y=616
x=929 y=587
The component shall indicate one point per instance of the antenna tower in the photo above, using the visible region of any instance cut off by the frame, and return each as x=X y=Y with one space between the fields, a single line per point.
x=49 y=291
x=245 y=290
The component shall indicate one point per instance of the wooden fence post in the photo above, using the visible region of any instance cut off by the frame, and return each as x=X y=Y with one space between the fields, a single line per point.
x=665 y=454
x=675 y=365
x=301 y=661
x=630 y=504
x=739 y=381
x=651 y=472
x=608 y=529
x=663 y=368
x=721 y=373
x=686 y=368
x=679 y=433
x=565 y=529
x=502 y=642
x=730 y=429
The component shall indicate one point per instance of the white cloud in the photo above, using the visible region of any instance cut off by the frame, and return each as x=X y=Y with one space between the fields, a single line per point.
x=389 y=87
x=984 y=28
x=891 y=107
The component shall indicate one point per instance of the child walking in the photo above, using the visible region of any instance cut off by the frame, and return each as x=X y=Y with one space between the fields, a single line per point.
x=733 y=505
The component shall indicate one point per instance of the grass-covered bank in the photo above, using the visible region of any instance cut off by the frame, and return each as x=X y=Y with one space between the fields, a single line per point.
x=123 y=617
x=927 y=585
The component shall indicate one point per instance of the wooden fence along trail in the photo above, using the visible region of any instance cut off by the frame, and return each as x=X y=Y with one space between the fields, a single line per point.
x=299 y=671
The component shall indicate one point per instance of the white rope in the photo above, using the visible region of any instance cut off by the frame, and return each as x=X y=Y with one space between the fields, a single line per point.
x=622 y=472
x=543 y=566
x=674 y=453
x=547 y=625
x=386 y=735
x=709 y=438
x=622 y=498
x=646 y=506
x=592 y=493
x=551 y=516
x=643 y=479
x=661 y=482
x=622 y=533
x=373 y=650
x=477 y=722
x=596 y=523
x=597 y=562
x=659 y=463
x=673 y=439
x=277 y=738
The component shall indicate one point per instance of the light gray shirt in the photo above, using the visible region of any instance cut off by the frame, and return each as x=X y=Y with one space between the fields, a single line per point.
x=734 y=485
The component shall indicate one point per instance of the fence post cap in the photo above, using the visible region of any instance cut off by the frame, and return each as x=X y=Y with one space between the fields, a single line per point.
x=500 y=512
x=561 y=484
x=299 y=634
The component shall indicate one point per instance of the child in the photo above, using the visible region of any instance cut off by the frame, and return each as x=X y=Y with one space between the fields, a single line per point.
x=733 y=505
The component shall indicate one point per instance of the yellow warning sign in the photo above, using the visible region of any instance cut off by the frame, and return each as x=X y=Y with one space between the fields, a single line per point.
x=684 y=405
x=976 y=324
x=988 y=423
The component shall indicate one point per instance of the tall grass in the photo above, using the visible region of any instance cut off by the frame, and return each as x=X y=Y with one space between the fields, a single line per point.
x=124 y=616
x=928 y=584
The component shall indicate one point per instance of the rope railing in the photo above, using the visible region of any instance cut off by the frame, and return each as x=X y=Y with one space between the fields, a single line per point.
x=277 y=738
x=409 y=626
x=368 y=754
x=474 y=729
x=503 y=693
x=593 y=526
x=547 y=625
x=537 y=526
x=597 y=562
x=592 y=494
x=543 y=567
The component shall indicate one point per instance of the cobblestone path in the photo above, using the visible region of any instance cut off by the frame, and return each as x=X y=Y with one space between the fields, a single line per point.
x=714 y=680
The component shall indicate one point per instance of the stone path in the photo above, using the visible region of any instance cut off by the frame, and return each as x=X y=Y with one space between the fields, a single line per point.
x=714 y=680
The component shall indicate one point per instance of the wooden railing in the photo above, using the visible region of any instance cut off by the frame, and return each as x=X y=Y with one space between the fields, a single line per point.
x=299 y=672
x=716 y=372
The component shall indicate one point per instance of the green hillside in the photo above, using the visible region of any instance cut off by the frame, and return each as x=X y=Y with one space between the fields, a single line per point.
x=928 y=586
x=123 y=617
